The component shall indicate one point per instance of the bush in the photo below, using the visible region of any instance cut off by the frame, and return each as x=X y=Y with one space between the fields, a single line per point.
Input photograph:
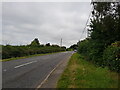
x=83 y=47
x=91 y=50
x=100 y=56
x=9 y=51
x=111 y=57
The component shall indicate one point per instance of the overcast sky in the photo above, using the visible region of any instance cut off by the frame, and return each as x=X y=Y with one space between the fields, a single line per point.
x=47 y=21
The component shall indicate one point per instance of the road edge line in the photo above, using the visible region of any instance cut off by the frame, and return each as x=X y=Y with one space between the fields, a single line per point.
x=39 y=86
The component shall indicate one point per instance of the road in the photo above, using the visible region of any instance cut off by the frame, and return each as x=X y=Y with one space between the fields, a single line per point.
x=30 y=72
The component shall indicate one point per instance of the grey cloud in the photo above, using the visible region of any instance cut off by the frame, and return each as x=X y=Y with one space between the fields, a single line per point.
x=22 y=22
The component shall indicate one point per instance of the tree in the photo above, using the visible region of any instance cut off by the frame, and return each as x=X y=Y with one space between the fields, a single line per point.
x=105 y=22
x=104 y=27
x=55 y=46
x=48 y=44
x=63 y=47
x=75 y=46
x=35 y=42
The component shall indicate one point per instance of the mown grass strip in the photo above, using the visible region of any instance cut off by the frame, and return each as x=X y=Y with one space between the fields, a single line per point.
x=83 y=74
x=16 y=58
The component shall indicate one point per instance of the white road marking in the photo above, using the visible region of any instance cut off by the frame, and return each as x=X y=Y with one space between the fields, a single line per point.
x=24 y=64
x=39 y=86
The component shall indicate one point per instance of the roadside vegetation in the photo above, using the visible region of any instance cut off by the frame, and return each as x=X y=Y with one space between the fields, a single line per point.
x=97 y=63
x=83 y=74
x=103 y=46
x=9 y=51
x=15 y=58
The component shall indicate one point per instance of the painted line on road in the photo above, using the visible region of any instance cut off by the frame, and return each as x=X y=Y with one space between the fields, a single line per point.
x=25 y=64
x=39 y=86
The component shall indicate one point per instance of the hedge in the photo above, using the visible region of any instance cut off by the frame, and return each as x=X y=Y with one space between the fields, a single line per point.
x=9 y=51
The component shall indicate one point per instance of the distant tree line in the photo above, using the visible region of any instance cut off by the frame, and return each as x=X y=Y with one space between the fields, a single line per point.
x=9 y=51
x=103 y=46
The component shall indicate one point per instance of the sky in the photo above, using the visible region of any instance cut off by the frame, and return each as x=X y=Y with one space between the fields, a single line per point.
x=22 y=22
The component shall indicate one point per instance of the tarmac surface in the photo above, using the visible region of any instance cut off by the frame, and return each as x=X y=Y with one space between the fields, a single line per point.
x=34 y=72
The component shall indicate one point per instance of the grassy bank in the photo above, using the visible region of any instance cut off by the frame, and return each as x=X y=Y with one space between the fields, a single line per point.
x=9 y=59
x=83 y=74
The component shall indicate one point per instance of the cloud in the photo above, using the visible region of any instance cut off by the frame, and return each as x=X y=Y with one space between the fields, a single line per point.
x=48 y=21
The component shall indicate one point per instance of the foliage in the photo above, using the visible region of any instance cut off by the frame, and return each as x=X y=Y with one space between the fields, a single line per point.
x=35 y=42
x=63 y=47
x=83 y=47
x=74 y=47
x=82 y=74
x=105 y=23
x=9 y=51
x=0 y=51
x=111 y=57
x=48 y=44
x=104 y=28
x=18 y=51
x=68 y=49
x=55 y=46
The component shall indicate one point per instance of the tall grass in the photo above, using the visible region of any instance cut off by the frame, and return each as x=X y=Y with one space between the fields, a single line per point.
x=83 y=74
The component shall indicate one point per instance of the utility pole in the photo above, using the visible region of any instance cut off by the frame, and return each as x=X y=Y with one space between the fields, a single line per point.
x=61 y=42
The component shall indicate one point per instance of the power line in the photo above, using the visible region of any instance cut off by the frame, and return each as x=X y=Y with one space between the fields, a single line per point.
x=86 y=24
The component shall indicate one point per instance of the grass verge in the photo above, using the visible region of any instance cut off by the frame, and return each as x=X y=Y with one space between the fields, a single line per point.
x=83 y=74
x=15 y=58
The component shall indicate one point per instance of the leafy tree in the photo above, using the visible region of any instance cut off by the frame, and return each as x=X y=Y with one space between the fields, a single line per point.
x=104 y=25
x=75 y=46
x=63 y=47
x=48 y=44
x=105 y=30
x=55 y=46
x=35 y=42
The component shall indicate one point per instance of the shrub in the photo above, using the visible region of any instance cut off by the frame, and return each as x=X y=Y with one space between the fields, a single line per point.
x=9 y=51
x=111 y=57
x=91 y=50
x=83 y=47
x=100 y=56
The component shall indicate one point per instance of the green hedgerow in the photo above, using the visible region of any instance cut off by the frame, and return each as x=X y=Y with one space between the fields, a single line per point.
x=111 y=57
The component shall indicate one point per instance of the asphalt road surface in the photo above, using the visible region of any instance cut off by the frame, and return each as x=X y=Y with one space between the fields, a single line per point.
x=30 y=72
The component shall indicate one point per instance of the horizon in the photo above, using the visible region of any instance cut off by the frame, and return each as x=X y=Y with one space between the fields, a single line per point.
x=23 y=21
